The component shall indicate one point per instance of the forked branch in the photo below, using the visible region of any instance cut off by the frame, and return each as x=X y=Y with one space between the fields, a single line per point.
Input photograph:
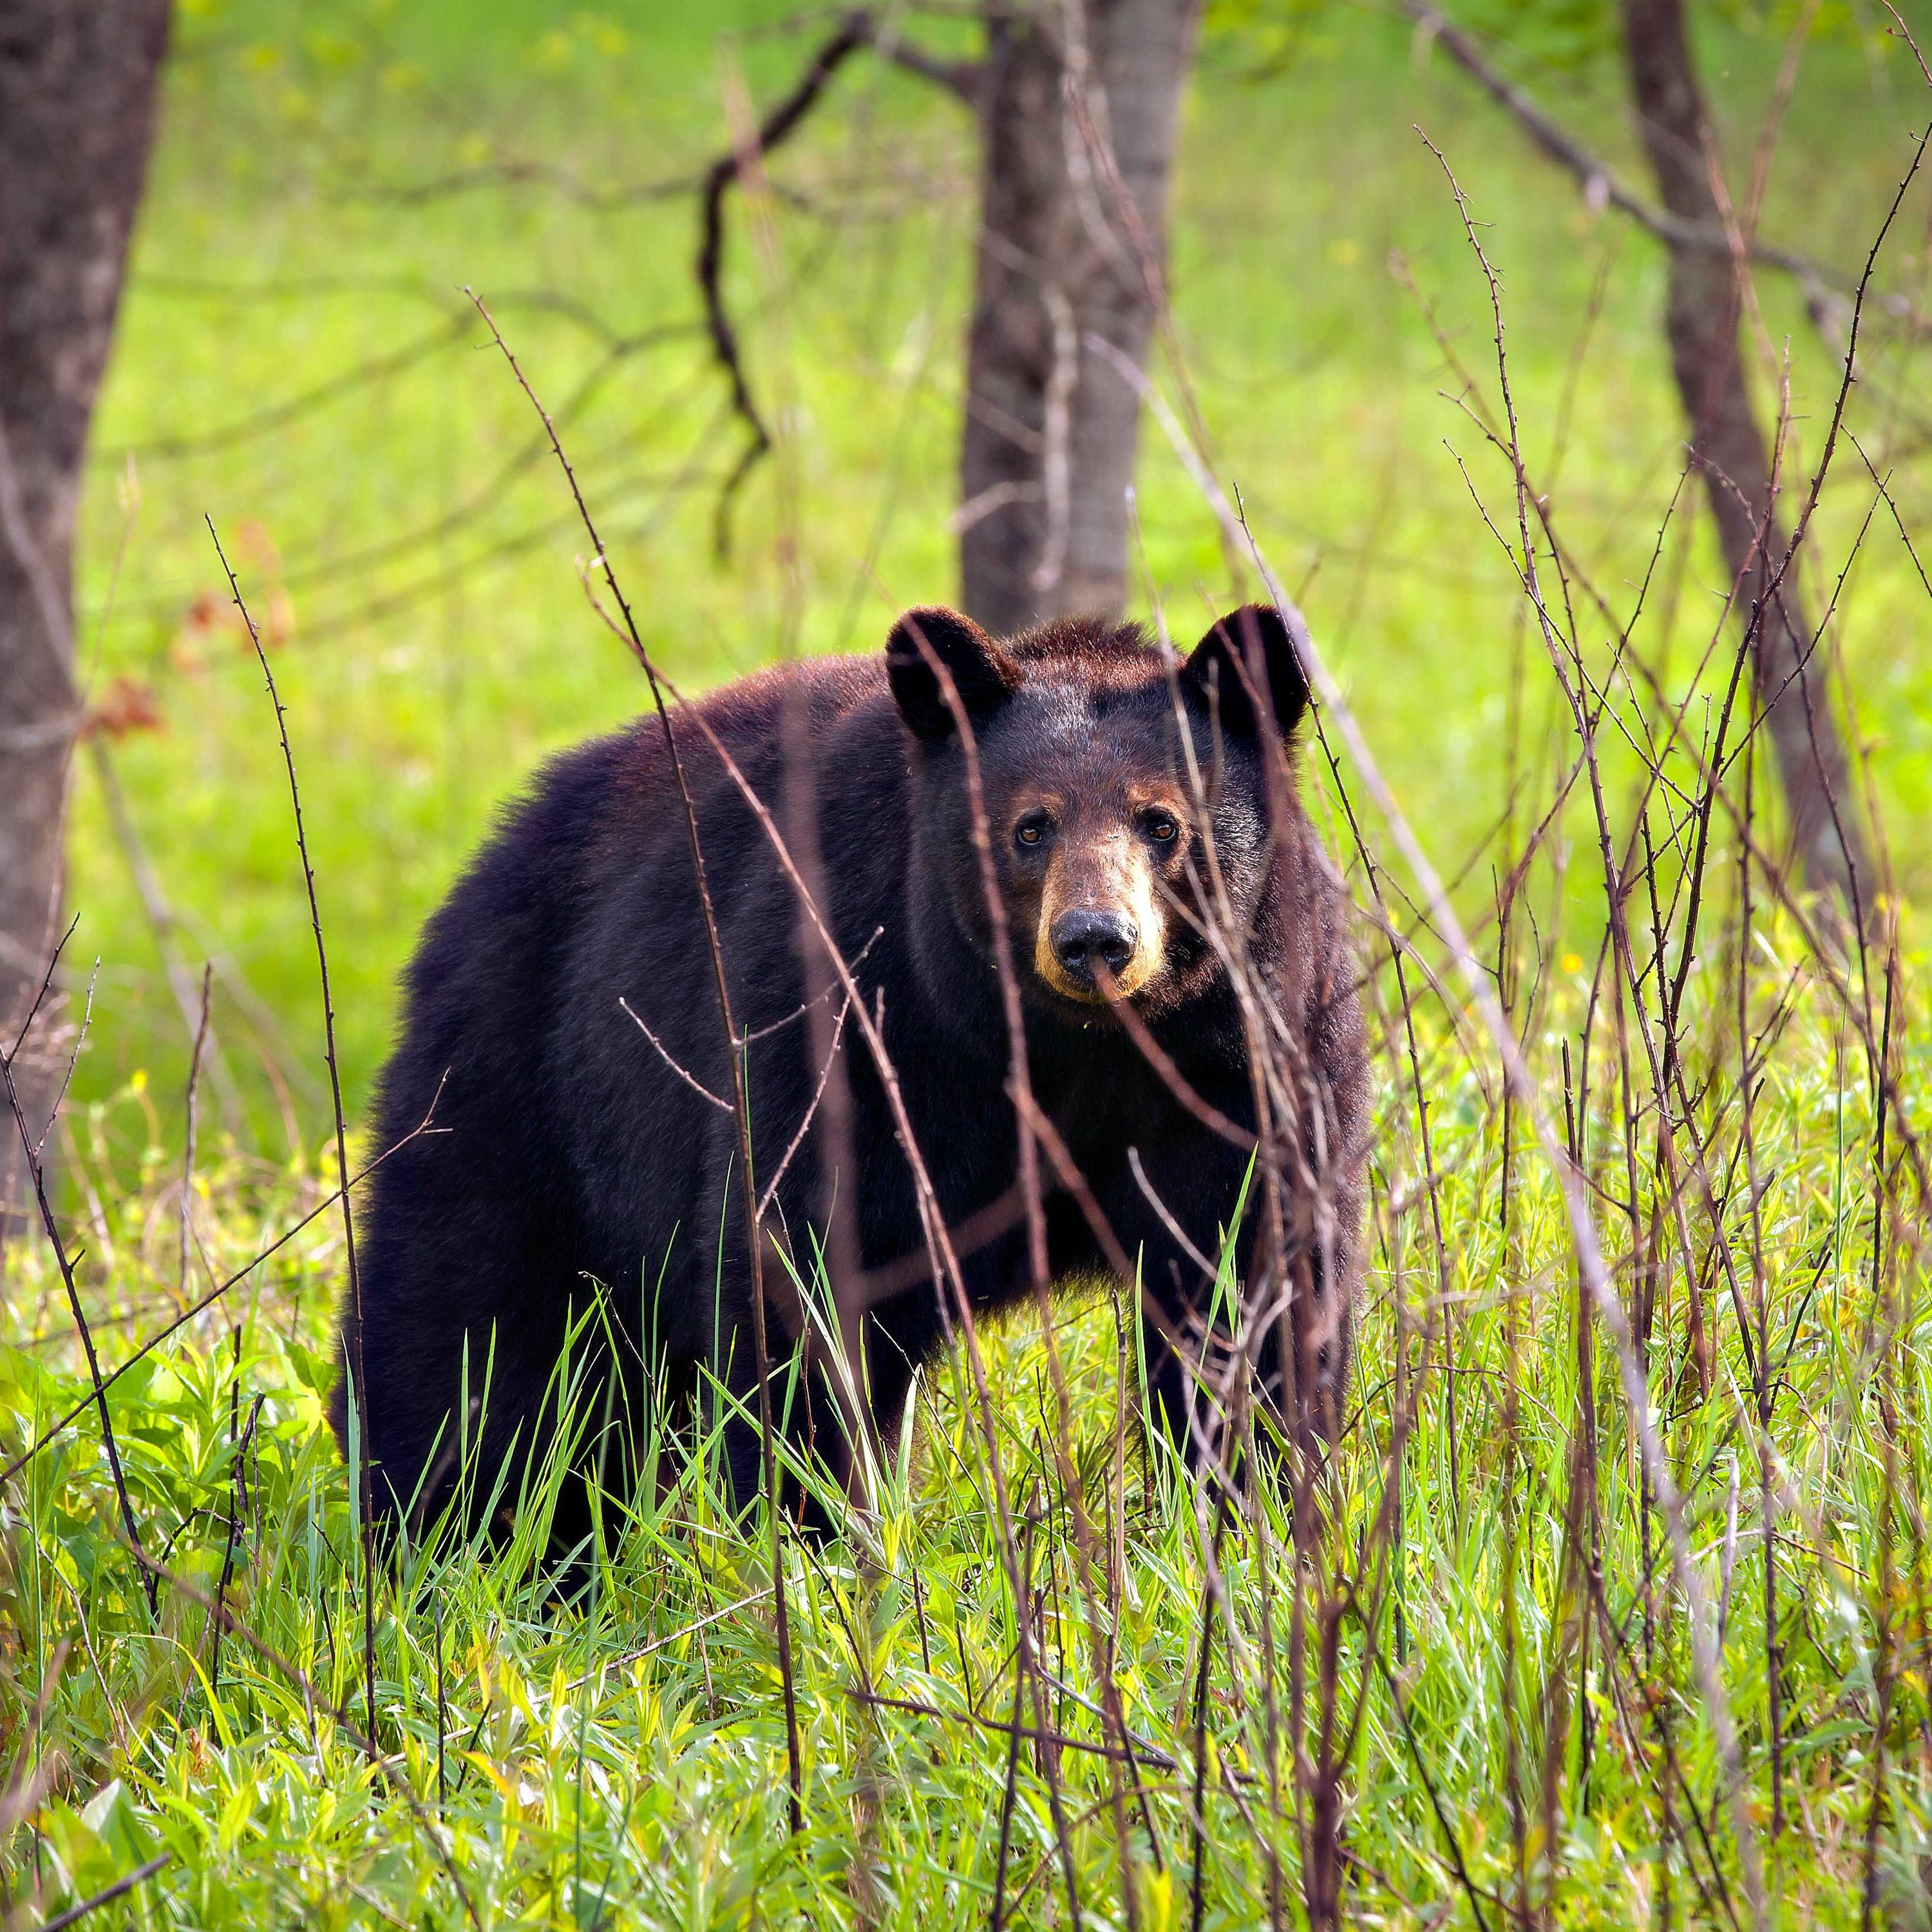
x=859 y=28
x=1825 y=287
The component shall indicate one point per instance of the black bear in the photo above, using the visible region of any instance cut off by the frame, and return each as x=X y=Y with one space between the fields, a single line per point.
x=562 y=1013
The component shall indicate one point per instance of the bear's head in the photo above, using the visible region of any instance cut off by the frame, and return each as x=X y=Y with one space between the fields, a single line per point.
x=1127 y=794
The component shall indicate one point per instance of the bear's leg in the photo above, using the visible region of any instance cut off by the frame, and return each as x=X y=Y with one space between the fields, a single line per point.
x=449 y=1431
x=468 y=1416
x=900 y=1337
x=509 y=1439
x=1302 y=1366
x=1173 y=1216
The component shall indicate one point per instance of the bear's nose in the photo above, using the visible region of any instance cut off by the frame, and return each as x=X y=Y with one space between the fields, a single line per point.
x=1089 y=937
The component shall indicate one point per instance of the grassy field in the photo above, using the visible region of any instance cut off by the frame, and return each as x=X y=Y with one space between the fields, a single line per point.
x=297 y=362
x=1527 y=1748
x=1511 y=1656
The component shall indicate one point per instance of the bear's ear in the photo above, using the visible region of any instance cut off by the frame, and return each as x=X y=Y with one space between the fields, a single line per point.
x=983 y=674
x=1248 y=655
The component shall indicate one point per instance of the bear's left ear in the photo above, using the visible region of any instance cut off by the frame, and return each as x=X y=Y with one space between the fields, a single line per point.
x=1249 y=651
x=983 y=674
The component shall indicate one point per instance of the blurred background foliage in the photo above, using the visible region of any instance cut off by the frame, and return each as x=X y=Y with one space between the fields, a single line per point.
x=296 y=359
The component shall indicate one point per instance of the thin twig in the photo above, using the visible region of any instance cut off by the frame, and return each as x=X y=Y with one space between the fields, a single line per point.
x=735 y=1056
x=770 y=1194
x=187 y=1135
x=683 y=1072
x=357 y=1368
x=1599 y=181
x=854 y=32
x=74 y=1914
x=213 y=1295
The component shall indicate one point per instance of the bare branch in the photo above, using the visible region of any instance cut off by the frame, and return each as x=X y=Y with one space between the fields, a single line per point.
x=683 y=1072
x=961 y=79
x=107 y=1894
x=1601 y=186
x=778 y=125
x=36 y=1173
x=770 y=1194
x=360 y=1383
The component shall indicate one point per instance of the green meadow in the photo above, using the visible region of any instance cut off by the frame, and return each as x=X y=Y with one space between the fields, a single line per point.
x=1508 y=1693
x=297 y=362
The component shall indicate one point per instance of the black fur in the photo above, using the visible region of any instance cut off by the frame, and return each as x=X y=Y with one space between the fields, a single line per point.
x=571 y=1155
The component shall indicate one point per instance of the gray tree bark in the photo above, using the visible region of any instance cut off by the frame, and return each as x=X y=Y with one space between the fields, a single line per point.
x=1050 y=429
x=1788 y=682
x=77 y=95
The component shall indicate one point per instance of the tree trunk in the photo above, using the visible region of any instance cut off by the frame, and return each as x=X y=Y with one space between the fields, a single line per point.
x=1048 y=454
x=1789 y=686
x=77 y=88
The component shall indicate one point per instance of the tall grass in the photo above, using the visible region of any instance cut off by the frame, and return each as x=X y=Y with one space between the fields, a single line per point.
x=1519 y=1663
x=1489 y=1662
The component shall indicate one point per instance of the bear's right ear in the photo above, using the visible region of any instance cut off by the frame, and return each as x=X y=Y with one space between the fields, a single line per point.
x=982 y=673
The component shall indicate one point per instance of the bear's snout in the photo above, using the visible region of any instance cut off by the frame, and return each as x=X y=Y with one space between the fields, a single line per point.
x=1100 y=935
x=1094 y=936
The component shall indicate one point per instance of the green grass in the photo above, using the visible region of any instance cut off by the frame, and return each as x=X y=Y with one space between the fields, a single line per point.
x=621 y=1760
x=429 y=665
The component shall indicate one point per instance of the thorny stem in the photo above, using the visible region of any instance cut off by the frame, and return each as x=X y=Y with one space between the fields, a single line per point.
x=357 y=1369
x=36 y=1172
x=740 y=1098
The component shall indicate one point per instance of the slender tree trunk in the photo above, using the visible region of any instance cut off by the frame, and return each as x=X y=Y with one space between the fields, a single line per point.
x=1789 y=682
x=1050 y=431
x=77 y=86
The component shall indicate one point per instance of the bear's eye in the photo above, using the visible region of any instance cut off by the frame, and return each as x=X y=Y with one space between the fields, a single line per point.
x=1161 y=827
x=1032 y=830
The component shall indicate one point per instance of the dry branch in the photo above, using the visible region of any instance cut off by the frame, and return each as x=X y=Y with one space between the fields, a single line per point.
x=1601 y=186
x=780 y=123
x=107 y=1894
x=734 y=1052
x=359 y=1383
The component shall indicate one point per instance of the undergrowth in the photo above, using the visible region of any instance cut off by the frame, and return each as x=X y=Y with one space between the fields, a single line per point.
x=1477 y=1645
x=610 y=1750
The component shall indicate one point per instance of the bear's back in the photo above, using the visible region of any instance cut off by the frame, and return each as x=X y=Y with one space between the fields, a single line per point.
x=755 y=720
